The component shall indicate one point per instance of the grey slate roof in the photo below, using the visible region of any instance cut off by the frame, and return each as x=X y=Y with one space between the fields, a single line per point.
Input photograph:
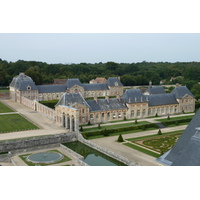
x=161 y=99
x=181 y=91
x=133 y=96
x=68 y=99
x=95 y=86
x=186 y=152
x=156 y=90
x=104 y=105
x=51 y=88
x=22 y=81
x=71 y=82
x=112 y=80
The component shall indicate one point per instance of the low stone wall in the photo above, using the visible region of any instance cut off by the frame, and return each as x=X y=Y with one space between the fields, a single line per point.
x=27 y=102
x=4 y=95
x=105 y=151
x=78 y=156
x=24 y=143
x=44 y=110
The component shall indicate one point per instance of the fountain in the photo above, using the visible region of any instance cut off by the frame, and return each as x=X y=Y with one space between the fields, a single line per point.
x=45 y=157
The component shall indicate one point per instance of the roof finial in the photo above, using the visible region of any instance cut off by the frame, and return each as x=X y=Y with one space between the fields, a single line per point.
x=150 y=84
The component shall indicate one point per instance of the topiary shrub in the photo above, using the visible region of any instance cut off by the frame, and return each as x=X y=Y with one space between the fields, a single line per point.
x=143 y=127
x=120 y=138
x=105 y=132
x=156 y=115
x=125 y=118
x=136 y=122
x=99 y=126
x=84 y=135
x=81 y=128
x=89 y=122
x=159 y=132
x=168 y=117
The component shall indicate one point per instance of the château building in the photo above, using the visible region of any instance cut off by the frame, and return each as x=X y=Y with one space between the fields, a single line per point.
x=74 y=102
x=23 y=86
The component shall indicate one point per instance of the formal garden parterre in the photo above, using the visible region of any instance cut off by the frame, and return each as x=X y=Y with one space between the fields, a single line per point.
x=154 y=145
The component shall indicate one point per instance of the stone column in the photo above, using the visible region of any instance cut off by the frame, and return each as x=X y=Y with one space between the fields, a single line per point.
x=70 y=126
x=66 y=122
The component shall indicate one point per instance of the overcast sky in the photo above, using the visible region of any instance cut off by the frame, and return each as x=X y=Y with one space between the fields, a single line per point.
x=101 y=47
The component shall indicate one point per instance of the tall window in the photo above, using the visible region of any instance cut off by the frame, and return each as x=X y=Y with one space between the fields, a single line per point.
x=132 y=113
x=143 y=112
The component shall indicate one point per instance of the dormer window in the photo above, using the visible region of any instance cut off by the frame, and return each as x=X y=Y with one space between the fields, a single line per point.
x=28 y=87
x=116 y=83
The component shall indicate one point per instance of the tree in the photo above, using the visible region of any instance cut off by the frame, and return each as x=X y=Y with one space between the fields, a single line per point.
x=159 y=132
x=99 y=126
x=120 y=138
x=105 y=132
x=81 y=129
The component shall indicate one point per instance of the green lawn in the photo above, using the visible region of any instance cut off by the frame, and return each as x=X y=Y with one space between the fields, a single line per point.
x=114 y=126
x=50 y=103
x=175 y=118
x=15 y=122
x=122 y=133
x=5 y=109
x=153 y=136
x=65 y=159
x=2 y=91
x=142 y=150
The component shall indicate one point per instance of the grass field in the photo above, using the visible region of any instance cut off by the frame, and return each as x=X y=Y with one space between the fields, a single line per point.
x=114 y=126
x=146 y=151
x=118 y=133
x=2 y=91
x=50 y=103
x=176 y=118
x=5 y=109
x=15 y=122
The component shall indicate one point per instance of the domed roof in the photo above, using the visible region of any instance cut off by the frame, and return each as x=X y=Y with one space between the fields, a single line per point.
x=23 y=82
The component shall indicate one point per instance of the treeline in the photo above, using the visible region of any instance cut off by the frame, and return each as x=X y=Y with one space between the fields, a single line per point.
x=186 y=73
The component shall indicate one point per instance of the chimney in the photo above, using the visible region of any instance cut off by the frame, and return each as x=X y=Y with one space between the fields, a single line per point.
x=96 y=99
x=107 y=98
x=67 y=91
x=196 y=136
x=118 y=77
x=150 y=84
x=177 y=85
x=118 y=97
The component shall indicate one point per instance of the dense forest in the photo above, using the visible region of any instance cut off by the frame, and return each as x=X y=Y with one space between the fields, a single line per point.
x=186 y=73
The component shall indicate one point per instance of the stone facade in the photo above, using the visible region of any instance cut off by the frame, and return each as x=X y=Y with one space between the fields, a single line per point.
x=23 y=86
x=73 y=108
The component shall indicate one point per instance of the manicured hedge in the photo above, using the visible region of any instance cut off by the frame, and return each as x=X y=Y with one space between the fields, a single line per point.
x=176 y=122
x=116 y=130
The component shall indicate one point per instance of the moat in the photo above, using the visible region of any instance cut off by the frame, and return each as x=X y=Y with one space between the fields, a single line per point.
x=91 y=156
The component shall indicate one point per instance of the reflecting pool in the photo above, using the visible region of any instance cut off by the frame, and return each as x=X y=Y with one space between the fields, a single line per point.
x=91 y=156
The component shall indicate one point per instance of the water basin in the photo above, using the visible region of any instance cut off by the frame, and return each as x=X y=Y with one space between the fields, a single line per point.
x=45 y=157
x=91 y=156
